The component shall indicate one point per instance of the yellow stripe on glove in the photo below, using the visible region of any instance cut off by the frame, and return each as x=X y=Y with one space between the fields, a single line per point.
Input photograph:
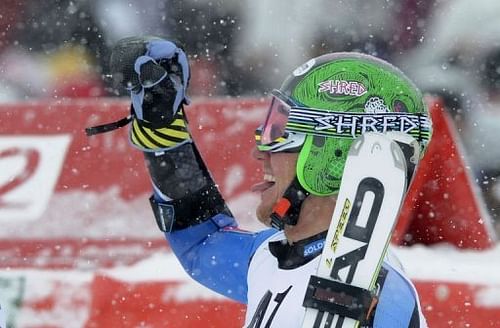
x=148 y=139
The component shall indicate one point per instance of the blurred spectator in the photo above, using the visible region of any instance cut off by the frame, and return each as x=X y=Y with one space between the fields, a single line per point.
x=10 y=10
x=67 y=42
x=60 y=48
x=208 y=31
x=52 y=50
x=236 y=48
x=279 y=35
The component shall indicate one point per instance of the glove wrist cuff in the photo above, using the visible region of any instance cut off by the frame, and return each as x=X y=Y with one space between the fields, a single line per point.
x=148 y=137
x=190 y=210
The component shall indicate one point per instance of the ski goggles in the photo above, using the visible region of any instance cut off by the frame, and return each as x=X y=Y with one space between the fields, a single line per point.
x=287 y=123
x=272 y=135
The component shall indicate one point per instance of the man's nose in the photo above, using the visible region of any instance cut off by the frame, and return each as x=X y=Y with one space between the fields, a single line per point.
x=259 y=155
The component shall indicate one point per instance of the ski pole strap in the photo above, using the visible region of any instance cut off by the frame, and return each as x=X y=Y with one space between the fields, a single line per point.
x=339 y=298
x=108 y=126
x=188 y=211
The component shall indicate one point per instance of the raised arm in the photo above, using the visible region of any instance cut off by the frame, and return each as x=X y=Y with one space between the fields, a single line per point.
x=186 y=202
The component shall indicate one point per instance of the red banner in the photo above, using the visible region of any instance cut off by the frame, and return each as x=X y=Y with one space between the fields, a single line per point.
x=76 y=224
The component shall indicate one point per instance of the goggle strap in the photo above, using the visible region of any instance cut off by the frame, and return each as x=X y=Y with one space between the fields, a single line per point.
x=420 y=127
x=322 y=123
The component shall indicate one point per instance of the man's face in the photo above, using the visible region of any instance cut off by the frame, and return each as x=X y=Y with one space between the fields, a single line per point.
x=279 y=172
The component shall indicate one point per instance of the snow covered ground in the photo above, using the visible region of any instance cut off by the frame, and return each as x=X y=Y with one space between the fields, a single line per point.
x=447 y=263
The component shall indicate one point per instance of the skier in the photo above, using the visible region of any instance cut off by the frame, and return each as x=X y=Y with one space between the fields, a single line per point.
x=266 y=270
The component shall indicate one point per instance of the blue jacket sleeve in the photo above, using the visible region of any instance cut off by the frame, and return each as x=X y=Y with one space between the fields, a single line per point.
x=398 y=304
x=217 y=254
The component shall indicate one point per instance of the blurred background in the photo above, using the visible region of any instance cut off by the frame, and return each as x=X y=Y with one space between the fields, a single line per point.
x=60 y=48
x=54 y=80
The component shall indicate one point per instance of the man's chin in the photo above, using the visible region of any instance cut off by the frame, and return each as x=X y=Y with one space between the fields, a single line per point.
x=264 y=216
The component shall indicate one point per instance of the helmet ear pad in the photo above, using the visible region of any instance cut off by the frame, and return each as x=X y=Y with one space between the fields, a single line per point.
x=321 y=164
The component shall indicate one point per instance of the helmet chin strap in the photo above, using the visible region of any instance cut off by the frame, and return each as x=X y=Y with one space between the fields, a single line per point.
x=287 y=209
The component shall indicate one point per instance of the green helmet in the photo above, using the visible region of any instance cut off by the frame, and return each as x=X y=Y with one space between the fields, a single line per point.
x=331 y=100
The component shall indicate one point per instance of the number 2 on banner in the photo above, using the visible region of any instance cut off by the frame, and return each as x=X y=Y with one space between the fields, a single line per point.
x=32 y=159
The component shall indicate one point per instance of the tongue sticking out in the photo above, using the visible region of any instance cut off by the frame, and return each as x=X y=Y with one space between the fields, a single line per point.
x=261 y=186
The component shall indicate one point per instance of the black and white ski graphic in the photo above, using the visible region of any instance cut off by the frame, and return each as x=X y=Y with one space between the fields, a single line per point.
x=371 y=193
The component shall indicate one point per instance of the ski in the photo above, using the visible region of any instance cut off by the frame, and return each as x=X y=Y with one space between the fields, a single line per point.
x=372 y=190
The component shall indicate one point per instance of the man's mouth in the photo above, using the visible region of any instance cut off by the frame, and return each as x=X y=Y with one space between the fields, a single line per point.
x=268 y=182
